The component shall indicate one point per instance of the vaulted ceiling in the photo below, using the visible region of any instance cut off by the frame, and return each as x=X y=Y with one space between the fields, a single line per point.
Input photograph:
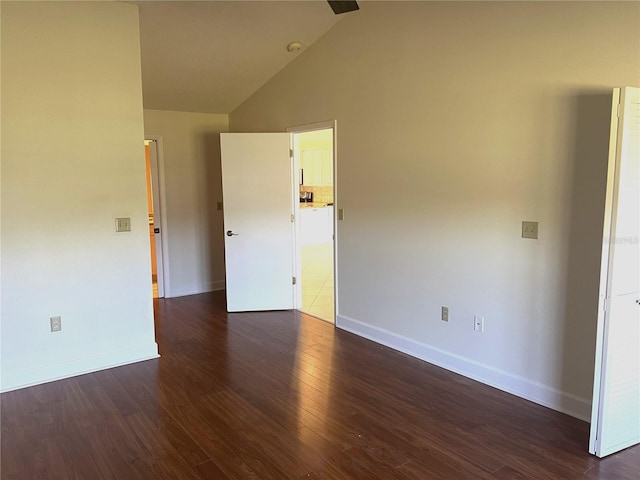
x=209 y=56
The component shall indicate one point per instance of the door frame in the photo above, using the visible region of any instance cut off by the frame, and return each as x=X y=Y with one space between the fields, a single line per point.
x=161 y=210
x=295 y=191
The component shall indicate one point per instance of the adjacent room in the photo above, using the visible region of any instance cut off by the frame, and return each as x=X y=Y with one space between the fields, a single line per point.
x=317 y=219
x=440 y=285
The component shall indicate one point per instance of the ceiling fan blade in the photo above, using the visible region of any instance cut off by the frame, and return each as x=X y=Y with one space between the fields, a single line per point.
x=342 y=6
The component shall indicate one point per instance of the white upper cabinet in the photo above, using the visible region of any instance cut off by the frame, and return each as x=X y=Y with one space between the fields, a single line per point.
x=326 y=165
x=317 y=168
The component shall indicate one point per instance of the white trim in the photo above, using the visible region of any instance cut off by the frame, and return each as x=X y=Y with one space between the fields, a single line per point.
x=164 y=235
x=197 y=289
x=522 y=387
x=217 y=285
x=310 y=127
x=78 y=366
x=154 y=179
x=295 y=201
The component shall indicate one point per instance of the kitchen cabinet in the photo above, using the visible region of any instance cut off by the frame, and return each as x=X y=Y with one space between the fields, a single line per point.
x=326 y=167
x=317 y=168
x=311 y=168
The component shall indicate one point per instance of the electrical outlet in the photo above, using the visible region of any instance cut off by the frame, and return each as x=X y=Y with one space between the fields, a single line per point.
x=341 y=214
x=56 y=324
x=529 y=229
x=123 y=224
x=445 y=314
x=478 y=323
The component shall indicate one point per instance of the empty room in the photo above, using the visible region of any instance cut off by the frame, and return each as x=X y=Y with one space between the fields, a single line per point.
x=475 y=203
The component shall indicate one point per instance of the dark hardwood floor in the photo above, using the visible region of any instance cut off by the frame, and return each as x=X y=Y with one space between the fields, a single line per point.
x=285 y=396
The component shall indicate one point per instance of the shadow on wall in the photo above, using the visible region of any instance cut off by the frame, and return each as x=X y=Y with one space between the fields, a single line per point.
x=210 y=194
x=591 y=117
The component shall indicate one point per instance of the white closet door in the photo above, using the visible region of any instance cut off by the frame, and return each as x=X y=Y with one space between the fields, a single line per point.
x=615 y=422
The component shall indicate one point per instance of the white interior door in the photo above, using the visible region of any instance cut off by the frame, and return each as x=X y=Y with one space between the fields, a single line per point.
x=257 y=195
x=615 y=422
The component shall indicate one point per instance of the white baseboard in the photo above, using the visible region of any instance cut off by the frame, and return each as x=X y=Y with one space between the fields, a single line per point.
x=218 y=285
x=197 y=289
x=78 y=366
x=508 y=382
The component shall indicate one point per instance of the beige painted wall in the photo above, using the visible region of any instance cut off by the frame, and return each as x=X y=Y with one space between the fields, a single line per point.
x=193 y=187
x=455 y=122
x=72 y=161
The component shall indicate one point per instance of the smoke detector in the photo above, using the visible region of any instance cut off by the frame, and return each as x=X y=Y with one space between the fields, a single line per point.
x=294 y=46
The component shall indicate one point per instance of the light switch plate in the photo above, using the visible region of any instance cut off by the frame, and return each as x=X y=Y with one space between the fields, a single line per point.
x=123 y=224
x=529 y=229
x=445 y=314
x=340 y=214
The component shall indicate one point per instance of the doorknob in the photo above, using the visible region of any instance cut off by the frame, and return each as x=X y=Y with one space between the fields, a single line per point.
x=231 y=234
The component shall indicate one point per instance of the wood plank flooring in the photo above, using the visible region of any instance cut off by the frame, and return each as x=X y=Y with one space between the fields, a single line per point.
x=282 y=395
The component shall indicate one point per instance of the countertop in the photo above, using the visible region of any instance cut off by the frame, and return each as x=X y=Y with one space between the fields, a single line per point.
x=315 y=205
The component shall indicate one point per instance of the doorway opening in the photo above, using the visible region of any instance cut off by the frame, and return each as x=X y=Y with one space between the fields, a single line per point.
x=314 y=184
x=155 y=218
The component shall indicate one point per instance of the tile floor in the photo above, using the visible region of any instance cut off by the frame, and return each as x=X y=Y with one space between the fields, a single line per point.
x=317 y=281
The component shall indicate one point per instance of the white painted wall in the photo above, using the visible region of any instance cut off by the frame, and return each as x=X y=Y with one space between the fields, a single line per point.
x=455 y=122
x=72 y=161
x=193 y=184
